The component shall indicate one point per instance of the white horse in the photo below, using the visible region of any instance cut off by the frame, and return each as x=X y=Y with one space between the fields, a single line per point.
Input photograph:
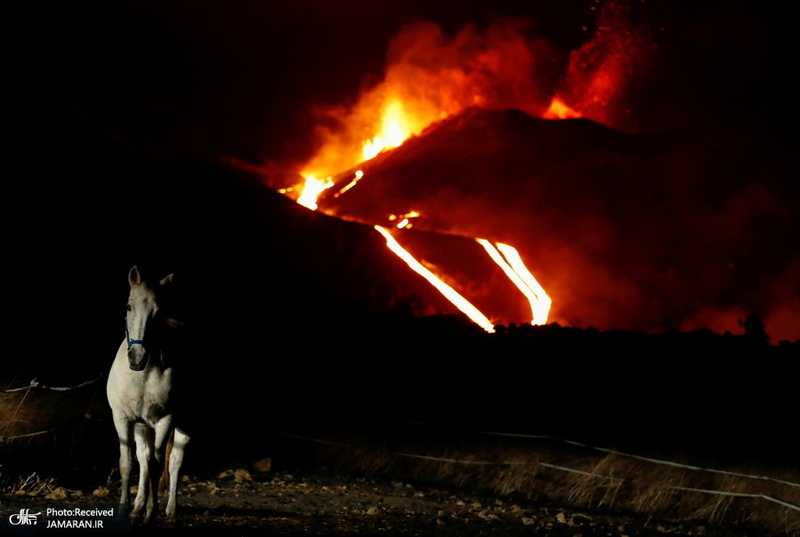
x=138 y=389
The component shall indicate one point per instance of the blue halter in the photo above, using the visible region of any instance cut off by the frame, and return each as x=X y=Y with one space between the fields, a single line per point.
x=132 y=342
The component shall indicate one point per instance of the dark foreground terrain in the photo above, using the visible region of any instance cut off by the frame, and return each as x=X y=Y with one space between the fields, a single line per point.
x=325 y=504
x=506 y=446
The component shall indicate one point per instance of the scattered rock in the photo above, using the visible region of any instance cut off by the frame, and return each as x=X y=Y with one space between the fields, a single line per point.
x=58 y=494
x=333 y=505
x=240 y=475
x=263 y=465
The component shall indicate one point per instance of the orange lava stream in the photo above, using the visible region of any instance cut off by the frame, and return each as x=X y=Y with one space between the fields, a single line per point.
x=311 y=190
x=451 y=294
x=508 y=259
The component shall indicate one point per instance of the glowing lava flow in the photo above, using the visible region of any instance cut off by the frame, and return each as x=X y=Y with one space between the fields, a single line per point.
x=396 y=125
x=311 y=190
x=508 y=259
x=458 y=301
x=505 y=256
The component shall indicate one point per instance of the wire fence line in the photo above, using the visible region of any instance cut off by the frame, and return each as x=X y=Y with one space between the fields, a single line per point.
x=610 y=451
x=34 y=383
x=578 y=471
x=740 y=495
x=445 y=459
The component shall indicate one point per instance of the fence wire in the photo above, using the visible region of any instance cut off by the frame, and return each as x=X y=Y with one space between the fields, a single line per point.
x=578 y=471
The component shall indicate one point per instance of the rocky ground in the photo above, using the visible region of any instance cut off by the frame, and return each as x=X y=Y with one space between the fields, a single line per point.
x=321 y=503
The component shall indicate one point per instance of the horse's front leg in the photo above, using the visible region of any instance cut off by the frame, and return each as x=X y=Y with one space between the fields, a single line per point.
x=144 y=453
x=125 y=434
x=175 y=462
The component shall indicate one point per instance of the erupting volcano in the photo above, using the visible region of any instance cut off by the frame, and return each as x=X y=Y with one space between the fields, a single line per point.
x=494 y=135
x=415 y=94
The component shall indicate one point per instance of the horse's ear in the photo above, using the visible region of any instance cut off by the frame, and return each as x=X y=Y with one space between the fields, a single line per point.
x=134 y=278
x=167 y=280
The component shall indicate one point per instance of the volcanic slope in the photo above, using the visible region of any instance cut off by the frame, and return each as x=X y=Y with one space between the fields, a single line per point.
x=621 y=229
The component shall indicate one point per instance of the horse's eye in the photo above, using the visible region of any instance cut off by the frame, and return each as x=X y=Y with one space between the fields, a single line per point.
x=128 y=307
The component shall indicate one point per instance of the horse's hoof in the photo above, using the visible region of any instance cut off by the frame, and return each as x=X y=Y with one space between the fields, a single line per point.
x=136 y=520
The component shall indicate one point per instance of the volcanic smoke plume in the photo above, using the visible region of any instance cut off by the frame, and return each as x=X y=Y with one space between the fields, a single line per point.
x=626 y=221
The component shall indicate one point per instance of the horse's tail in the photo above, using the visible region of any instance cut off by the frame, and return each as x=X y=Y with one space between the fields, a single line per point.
x=163 y=483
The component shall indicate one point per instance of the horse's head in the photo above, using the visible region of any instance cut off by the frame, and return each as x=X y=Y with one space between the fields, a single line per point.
x=143 y=319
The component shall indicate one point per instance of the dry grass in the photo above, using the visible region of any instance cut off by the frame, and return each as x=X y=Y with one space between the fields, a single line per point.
x=40 y=429
x=593 y=479
x=32 y=485
x=37 y=421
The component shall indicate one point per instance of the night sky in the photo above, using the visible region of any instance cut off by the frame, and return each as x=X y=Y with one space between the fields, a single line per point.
x=102 y=91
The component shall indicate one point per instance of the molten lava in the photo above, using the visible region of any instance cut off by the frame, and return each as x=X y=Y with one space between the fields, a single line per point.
x=311 y=190
x=508 y=259
x=393 y=132
x=431 y=77
x=448 y=133
x=451 y=294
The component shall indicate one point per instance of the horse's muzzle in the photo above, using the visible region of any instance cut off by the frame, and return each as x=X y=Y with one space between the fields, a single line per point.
x=137 y=357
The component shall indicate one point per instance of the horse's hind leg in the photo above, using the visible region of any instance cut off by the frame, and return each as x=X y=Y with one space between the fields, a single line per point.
x=163 y=482
x=175 y=461
x=163 y=431
x=144 y=453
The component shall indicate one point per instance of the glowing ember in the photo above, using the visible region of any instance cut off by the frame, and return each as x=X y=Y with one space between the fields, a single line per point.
x=518 y=273
x=404 y=220
x=451 y=294
x=311 y=190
